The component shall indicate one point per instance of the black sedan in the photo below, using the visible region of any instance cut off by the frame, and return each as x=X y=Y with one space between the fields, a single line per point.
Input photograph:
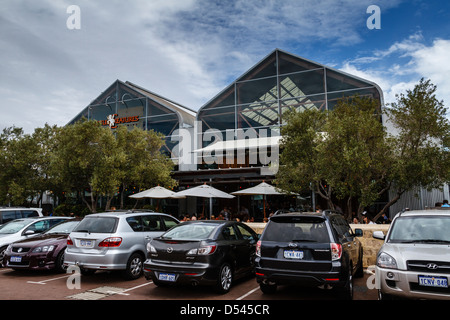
x=207 y=252
x=43 y=252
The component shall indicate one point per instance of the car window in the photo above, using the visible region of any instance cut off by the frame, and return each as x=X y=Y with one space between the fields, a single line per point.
x=190 y=231
x=39 y=226
x=169 y=222
x=135 y=223
x=152 y=223
x=97 y=225
x=229 y=233
x=29 y=213
x=287 y=229
x=341 y=226
x=246 y=234
x=7 y=216
x=13 y=226
x=433 y=229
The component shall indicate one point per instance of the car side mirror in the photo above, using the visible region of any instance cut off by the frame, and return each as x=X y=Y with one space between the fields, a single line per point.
x=358 y=232
x=379 y=235
x=28 y=233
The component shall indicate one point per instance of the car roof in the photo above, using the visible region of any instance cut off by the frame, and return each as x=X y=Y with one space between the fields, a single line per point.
x=124 y=213
x=303 y=214
x=427 y=212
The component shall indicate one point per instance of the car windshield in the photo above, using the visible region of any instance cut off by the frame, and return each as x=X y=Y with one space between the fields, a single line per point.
x=292 y=229
x=428 y=229
x=97 y=225
x=13 y=226
x=64 y=227
x=190 y=231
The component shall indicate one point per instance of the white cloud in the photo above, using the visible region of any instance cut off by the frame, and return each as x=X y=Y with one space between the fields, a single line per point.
x=403 y=64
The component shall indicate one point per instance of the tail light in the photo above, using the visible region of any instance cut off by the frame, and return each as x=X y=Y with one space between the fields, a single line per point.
x=69 y=241
x=111 y=242
x=202 y=251
x=258 y=248
x=336 y=251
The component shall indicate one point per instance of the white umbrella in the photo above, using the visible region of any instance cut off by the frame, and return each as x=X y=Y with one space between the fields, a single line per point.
x=204 y=191
x=155 y=192
x=262 y=189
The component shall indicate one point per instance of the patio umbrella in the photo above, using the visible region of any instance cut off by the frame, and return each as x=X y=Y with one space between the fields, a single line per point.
x=262 y=189
x=204 y=191
x=157 y=193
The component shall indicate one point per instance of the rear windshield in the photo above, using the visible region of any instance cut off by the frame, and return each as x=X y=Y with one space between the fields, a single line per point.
x=431 y=229
x=97 y=225
x=190 y=231
x=287 y=229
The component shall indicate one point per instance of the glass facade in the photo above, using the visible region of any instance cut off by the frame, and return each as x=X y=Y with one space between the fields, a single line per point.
x=280 y=82
x=126 y=104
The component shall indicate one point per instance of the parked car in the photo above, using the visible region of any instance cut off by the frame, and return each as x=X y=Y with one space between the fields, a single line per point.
x=414 y=261
x=206 y=252
x=115 y=241
x=43 y=252
x=11 y=213
x=20 y=229
x=309 y=249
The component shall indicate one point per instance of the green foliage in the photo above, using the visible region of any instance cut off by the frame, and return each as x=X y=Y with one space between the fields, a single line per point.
x=346 y=154
x=85 y=158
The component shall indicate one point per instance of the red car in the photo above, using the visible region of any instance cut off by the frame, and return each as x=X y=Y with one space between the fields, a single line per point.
x=43 y=252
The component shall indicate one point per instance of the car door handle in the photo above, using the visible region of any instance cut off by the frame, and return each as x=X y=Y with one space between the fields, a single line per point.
x=148 y=238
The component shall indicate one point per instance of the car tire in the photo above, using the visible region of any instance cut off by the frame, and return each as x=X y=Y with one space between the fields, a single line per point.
x=59 y=262
x=267 y=288
x=225 y=279
x=346 y=292
x=2 y=255
x=135 y=267
x=360 y=270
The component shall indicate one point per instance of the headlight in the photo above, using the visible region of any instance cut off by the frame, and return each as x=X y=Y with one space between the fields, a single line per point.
x=43 y=249
x=386 y=261
x=150 y=248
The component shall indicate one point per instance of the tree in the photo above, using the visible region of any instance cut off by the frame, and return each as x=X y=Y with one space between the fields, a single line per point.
x=86 y=159
x=144 y=166
x=343 y=154
x=421 y=158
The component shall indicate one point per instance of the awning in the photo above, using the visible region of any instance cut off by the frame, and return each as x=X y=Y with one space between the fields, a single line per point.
x=251 y=143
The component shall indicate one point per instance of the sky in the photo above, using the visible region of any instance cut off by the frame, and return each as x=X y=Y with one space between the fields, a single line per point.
x=58 y=56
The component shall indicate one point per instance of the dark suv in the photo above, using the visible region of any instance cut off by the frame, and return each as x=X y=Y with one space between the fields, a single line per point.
x=310 y=249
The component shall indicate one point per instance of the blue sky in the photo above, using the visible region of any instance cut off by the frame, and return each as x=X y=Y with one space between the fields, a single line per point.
x=189 y=50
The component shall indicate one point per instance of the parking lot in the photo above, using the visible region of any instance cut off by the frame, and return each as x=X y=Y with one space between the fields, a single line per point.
x=28 y=285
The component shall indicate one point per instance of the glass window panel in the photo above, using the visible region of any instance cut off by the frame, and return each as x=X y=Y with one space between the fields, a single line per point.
x=257 y=115
x=131 y=108
x=164 y=124
x=337 y=82
x=302 y=84
x=288 y=64
x=257 y=90
x=266 y=68
x=101 y=112
x=225 y=99
x=333 y=98
x=315 y=102
x=218 y=118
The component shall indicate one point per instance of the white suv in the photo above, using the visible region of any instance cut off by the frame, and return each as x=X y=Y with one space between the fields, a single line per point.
x=414 y=261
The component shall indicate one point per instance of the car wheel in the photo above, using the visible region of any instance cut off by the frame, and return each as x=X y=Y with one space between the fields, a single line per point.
x=59 y=262
x=346 y=292
x=134 y=267
x=268 y=288
x=225 y=279
x=360 y=270
x=384 y=297
x=2 y=254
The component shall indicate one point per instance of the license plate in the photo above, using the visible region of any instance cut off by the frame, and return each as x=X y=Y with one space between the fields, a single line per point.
x=430 y=281
x=167 y=277
x=16 y=259
x=86 y=243
x=293 y=254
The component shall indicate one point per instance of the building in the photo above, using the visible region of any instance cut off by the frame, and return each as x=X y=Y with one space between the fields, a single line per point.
x=232 y=141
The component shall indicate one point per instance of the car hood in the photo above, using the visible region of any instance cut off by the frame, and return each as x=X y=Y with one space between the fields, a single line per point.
x=43 y=240
x=403 y=252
